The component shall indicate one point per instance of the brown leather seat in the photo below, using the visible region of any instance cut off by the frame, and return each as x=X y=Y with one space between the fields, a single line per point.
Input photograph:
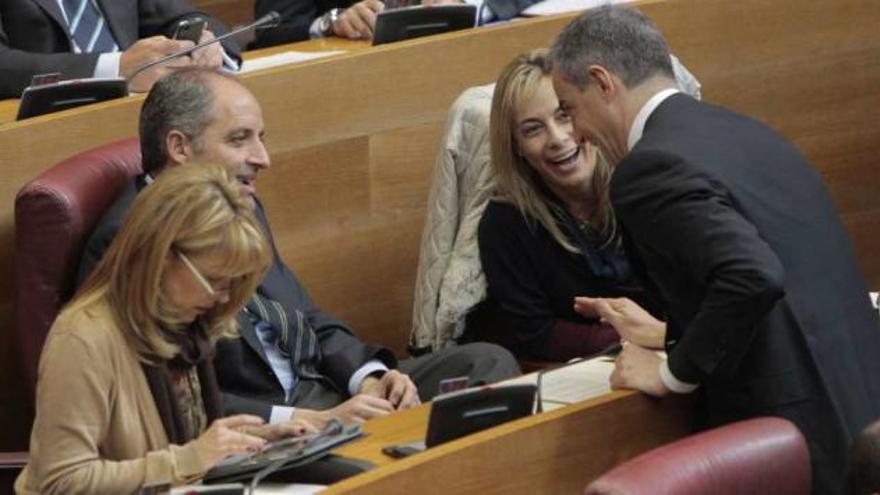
x=757 y=456
x=54 y=215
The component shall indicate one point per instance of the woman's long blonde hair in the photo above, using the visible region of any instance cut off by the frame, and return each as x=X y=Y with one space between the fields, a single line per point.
x=191 y=209
x=518 y=183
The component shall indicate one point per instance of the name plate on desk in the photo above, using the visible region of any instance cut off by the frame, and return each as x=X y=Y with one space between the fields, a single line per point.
x=62 y=95
x=413 y=22
x=287 y=453
x=468 y=411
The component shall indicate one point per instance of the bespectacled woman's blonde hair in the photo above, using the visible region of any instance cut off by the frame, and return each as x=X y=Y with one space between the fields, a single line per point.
x=518 y=183
x=192 y=209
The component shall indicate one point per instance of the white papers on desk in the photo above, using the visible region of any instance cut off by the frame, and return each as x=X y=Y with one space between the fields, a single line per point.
x=288 y=489
x=572 y=383
x=553 y=7
x=284 y=58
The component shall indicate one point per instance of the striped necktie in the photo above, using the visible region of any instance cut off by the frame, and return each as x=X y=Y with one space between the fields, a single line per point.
x=88 y=28
x=295 y=339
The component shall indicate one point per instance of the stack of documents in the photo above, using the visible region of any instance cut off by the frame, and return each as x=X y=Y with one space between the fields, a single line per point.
x=572 y=383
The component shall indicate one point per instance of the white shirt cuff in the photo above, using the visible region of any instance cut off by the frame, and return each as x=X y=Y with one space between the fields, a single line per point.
x=314 y=30
x=673 y=383
x=280 y=414
x=108 y=65
x=485 y=13
x=229 y=63
x=354 y=383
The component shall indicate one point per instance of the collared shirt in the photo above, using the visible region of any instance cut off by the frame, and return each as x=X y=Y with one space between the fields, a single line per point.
x=635 y=134
x=108 y=63
x=638 y=125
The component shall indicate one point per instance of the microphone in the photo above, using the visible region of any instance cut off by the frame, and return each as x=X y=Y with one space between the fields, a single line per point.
x=272 y=19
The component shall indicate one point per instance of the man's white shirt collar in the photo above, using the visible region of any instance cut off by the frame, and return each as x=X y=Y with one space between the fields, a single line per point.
x=638 y=125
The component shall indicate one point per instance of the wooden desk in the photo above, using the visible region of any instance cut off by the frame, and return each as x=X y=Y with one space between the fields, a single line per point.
x=8 y=110
x=9 y=107
x=554 y=452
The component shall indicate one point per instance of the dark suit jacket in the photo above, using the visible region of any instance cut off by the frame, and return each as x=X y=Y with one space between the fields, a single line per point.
x=243 y=370
x=767 y=307
x=297 y=16
x=34 y=39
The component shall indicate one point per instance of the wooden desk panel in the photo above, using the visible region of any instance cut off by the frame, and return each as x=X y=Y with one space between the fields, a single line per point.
x=555 y=452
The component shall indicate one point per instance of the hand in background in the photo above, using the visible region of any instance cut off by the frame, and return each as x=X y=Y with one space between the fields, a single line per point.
x=226 y=437
x=394 y=386
x=358 y=21
x=149 y=50
x=358 y=409
x=294 y=427
x=633 y=323
x=638 y=368
x=211 y=56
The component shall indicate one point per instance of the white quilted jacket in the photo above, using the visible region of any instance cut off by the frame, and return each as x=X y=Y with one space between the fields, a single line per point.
x=450 y=279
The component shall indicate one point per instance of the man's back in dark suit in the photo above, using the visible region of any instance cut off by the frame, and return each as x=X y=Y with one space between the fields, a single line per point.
x=732 y=228
x=767 y=307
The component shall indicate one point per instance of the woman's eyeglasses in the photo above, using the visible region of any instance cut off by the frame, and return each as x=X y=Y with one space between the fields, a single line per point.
x=198 y=275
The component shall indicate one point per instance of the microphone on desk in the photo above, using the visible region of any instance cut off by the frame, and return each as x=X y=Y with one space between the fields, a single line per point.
x=611 y=350
x=270 y=20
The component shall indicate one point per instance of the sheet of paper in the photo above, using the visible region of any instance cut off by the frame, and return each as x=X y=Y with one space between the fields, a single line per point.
x=572 y=383
x=284 y=58
x=578 y=382
x=553 y=7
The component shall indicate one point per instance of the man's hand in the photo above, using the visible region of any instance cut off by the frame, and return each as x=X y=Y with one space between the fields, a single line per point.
x=209 y=57
x=148 y=50
x=357 y=22
x=633 y=323
x=358 y=409
x=394 y=386
x=294 y=427
x=639 y=369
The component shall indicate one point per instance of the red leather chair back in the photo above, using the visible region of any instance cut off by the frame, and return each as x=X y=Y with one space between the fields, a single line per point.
x=757 y=456
x=54 y=216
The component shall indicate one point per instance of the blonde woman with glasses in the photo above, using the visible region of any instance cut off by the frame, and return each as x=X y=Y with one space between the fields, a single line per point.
x=549 y=234
x=127 y=399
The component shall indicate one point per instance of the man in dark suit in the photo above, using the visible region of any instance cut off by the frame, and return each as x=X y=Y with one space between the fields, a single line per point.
x=304 y=19
x=767 y=311
x=292 y=358
x=98 y=38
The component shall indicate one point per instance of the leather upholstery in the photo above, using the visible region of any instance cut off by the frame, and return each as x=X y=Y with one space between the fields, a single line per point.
x=757 y=456
x=54 y=215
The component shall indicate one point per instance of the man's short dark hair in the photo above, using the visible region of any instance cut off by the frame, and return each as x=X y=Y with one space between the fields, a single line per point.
x=182 y=101
x=623 y=40
x=863 y=468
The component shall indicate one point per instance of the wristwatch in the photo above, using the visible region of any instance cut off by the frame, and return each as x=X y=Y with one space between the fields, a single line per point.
x=328 y=20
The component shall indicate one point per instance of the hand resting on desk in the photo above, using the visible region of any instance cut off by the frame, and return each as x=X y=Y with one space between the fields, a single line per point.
x=638 y=368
